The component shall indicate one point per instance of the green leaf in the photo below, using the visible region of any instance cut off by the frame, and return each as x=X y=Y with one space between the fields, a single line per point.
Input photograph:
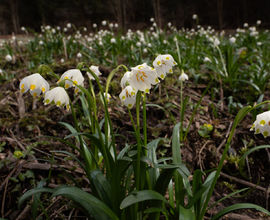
x=252 y=150
x=240 y=206
x=140 y=196
x=32 y=192
x=36 y=199
x=228 y=196
x=71 y=129
x=176 y=144
x=164 y=180
x=93 y=206
x=151 y=152
x=102 y=186
x=186 y=214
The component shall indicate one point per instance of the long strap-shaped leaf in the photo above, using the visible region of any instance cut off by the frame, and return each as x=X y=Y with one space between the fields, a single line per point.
x=140 y=196
x=240 y=206
x=91 y=204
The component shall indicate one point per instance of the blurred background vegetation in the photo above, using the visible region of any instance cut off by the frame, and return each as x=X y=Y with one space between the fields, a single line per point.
x=221 y=14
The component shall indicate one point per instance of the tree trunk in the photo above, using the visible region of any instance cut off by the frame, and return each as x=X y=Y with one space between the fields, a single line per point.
x=220 y=13
x=14 y=15
x=156 y=6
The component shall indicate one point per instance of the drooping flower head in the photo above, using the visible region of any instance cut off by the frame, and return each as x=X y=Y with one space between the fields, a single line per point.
x=57 y=96
x=128 y=96
x=95 y=69
x=8 y=58
x=75 y=75
x=142 y=77
x=183 y=77
x=107 y=97
x=35 y=83
x=163 y=65
x=262 y=124
x=125 y=79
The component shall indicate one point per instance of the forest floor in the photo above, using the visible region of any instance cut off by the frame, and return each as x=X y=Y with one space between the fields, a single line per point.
x=25 y=125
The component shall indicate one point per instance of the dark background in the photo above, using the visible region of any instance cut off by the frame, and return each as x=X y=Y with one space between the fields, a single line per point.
x=221 y=14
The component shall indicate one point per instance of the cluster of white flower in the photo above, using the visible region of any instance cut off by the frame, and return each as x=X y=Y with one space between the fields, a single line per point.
x=58 y=95
x=142 y=77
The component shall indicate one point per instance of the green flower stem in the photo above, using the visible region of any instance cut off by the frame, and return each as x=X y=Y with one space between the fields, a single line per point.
x=88 y=166
x=241 y=114
x=132 y=121
x=222 y=61
x=181 y=110
x=139 y=145
x=144 y=122
x=195 y=110
x=94 y=99
x=107 y=117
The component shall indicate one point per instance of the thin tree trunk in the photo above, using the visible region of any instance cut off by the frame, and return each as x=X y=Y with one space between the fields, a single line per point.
x=14 y=15
x=121 y=13
x=156 y=6
x=220 y=13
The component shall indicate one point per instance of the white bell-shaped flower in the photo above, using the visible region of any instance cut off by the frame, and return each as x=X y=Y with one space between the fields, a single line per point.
x=57 y=96
x=183 y=77
x=125 y=79
x=107 y=97
x=75 y=76
x=95 y=69
x=35 y=83
x=142 y=77
x=262 y=124
x=163 y=65
x=128 y=96
x=8 y=58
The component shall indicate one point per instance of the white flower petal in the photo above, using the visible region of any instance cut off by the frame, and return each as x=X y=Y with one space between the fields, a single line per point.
x=35 y=83
x=58 y=96
x=262 y=124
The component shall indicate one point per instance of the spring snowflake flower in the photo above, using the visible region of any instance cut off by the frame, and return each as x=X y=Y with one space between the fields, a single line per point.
x=128 y=96
x=125 y=79
x=194 y=16
x=138 y=44
x=163 y=65
x=1 y=72
x=207 y=59
x=95 y=70
x=245 y=25
x=8 y=58
x=262 y=124
x=142 y=77
x=104 y=23
x=113 y=41
x=258 y=22
x=232 y=40
x=35 y=83
x=57 y=96
x=183 y=77
x=94 y=25
x=107 y=97
x=75 y=75
x=79 y=55
x=215 y=41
